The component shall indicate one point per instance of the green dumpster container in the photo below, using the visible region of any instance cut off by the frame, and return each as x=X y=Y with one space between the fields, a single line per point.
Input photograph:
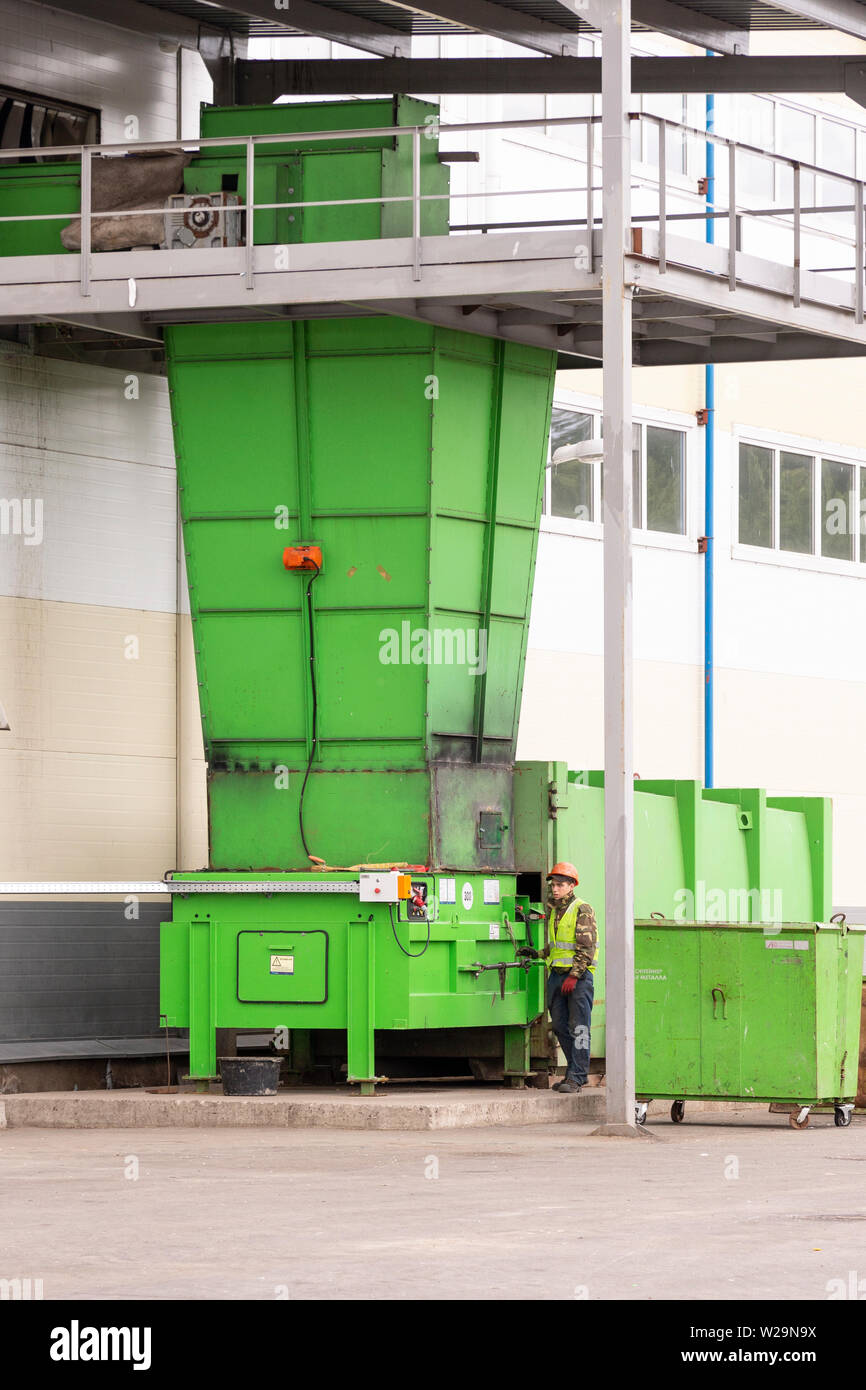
x=748 y=1012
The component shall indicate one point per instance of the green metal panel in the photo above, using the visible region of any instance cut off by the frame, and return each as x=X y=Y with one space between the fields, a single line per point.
x=282 y=967
x=715 y=855
x=302 y=118
x=363 y=484
x=367 y=168
x=37 y=189
x=362 y=816
x=668 y=1001
x=377 y=490
x=722 y=985
x=349 y=972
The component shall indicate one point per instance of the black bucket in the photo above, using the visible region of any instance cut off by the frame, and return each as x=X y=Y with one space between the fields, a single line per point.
x=250 y=1076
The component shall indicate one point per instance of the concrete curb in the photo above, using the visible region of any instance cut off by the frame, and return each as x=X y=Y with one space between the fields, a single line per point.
x=416 y=1111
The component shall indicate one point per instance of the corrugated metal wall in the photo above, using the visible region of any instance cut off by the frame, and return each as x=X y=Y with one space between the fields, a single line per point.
x=78 y=970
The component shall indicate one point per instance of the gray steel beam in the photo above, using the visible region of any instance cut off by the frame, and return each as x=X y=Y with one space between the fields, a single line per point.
x=502 y=23
x=266 y=80
x=789 y=347
x=687 y=24
x=221 y=53
x=131 y=326
x=685 y=329
x=848 y=16
x=647 y=309
x=693 y=326
x=617 y=563
x=136 y=18
x=306 y=17
x=665 y=17
x=481 y=320
x=553 y=315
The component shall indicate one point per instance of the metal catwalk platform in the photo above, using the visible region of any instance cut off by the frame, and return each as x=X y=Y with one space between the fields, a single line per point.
x=541 y=284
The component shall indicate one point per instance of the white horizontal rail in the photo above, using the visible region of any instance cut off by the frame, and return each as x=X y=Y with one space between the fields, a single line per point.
x=176 y=887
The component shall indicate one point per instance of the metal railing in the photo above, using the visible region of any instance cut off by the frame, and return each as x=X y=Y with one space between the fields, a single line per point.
x=249 y=145
x=734 y=214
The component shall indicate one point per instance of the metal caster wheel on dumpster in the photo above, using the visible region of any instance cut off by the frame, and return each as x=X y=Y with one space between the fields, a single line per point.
x=799 y=1119
x=678 y=1111
x=842 y=1115
x=640 y=1112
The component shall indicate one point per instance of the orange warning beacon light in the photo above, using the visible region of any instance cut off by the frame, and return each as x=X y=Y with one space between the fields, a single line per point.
x=302 y=557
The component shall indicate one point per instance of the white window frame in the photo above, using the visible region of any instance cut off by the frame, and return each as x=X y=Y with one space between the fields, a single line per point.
x=818 y=450
x=564 y=399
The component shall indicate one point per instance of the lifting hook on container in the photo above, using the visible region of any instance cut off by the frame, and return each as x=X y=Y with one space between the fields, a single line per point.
x=500 y=966
x=718 y=990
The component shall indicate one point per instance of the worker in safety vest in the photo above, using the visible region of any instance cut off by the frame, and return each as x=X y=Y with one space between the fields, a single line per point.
x=572 y=941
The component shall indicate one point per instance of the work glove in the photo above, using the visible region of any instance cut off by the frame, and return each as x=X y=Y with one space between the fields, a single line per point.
x=527 y=952
x=568 y=984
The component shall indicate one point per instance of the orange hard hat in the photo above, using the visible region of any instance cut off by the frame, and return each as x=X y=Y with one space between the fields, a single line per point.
x=564 y=871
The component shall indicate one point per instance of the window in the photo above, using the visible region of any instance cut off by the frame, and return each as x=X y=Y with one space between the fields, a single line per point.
x=576 y=104
x=756 y=126
x=796 y=503
x=749 y=120
x=837 y=151
x=658 y=474
x=837 y=492
x=32 y=122
x=571 y=484
x=837 y=147
x=797 y=134
x=665 y=490
x=523 y=106
x=782 y=507
x=756 y=495
x=797 y=141
x=672 y=108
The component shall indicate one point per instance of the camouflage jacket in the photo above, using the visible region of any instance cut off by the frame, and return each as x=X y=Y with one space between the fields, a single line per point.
x=585 y=935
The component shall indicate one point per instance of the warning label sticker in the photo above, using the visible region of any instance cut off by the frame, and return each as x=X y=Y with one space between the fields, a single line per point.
x=282 y=965
x=447 y=890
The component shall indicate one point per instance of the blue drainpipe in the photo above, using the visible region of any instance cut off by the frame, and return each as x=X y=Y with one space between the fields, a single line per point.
x=709 y=479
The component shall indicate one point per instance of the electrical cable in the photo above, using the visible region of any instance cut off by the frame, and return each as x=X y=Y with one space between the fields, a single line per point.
x=413 y=955
x=315 y=710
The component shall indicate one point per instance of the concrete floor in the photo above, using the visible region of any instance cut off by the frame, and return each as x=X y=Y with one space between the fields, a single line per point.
x=732 y=1205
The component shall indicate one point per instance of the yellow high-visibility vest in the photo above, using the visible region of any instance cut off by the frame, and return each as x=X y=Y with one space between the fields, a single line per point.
x=561 y=937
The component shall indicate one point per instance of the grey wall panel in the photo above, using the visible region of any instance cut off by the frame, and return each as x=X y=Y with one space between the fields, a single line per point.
x=78 y=970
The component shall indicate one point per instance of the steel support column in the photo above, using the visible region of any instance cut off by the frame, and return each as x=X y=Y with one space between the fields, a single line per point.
x=617 y=516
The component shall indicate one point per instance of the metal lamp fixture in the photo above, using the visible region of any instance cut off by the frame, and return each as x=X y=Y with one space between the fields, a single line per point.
x=587 y=451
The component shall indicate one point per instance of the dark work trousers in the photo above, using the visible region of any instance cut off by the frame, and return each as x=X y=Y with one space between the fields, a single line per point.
x=570 y=1015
